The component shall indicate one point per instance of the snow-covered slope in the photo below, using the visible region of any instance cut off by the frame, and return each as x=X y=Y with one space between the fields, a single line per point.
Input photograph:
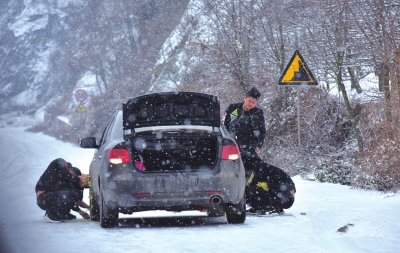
x=28 y=39
x=50 y=49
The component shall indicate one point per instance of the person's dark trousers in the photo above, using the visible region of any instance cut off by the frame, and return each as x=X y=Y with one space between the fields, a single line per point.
x=59 y=202
x=251 y=160
x=264 y=200
x=255 y=198
x=284 y=200
x=279 y=184
x=258 y=198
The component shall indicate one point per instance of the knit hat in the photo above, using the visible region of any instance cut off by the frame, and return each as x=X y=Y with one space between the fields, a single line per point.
x=254 y=93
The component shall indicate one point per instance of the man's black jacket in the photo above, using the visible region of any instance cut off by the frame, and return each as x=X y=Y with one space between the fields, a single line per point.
x=248 y=126
x=56 y=177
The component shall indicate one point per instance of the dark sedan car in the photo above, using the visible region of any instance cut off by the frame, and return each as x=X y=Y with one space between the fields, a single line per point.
x=166 y=151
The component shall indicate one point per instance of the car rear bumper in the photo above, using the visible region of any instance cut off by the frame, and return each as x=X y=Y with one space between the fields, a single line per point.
x=131 y=190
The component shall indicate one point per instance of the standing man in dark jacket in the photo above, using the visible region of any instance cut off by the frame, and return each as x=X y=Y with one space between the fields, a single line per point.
x=246 y=123
x=60 y=189
x=268 y=188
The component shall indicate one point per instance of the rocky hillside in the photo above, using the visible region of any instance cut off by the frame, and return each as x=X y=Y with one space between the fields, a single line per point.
x=50 y=49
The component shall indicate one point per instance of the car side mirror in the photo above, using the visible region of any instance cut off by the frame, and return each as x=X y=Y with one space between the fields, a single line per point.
x=89 y=142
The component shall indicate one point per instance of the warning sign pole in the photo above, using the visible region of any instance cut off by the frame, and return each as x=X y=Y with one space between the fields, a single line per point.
x=298 y=116
x=297 y=74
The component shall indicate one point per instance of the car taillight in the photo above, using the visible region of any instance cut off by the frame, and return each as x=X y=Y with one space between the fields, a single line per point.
x=118 y=156
x=230 y=152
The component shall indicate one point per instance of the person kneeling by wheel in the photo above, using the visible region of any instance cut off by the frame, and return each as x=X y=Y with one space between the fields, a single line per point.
x=269 y=190
x=60 y=189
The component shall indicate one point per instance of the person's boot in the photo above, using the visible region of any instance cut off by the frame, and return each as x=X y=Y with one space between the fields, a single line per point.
x=277 y=211
x=69 y=216
x=52 y=217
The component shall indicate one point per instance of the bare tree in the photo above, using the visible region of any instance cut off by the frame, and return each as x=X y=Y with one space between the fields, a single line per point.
x=276 y=40
x=380 y=25
x=331 y=39
x=234 y=35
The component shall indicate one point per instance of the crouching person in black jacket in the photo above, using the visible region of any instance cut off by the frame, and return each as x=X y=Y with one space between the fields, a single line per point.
x=269 y=189
x=60 y=189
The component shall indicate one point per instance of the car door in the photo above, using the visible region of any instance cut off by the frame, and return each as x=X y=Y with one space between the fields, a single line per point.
x=98 y=158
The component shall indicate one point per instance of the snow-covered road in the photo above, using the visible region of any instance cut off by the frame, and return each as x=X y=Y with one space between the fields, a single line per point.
x=320 y=210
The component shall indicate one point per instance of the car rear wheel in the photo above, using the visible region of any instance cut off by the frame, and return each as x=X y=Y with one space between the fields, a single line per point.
x=236 y=214
x=108 y=218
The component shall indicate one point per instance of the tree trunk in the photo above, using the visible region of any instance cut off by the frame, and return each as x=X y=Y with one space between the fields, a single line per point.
x=397 y=81
x=354 y=80
x=386 y=90
x=350 y=112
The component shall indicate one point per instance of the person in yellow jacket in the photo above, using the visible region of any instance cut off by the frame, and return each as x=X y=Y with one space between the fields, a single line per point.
x=269 y=189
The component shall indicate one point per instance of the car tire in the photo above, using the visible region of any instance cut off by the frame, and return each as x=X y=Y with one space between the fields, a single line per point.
x=94 y=207
x=108 y=218
x=232 y=215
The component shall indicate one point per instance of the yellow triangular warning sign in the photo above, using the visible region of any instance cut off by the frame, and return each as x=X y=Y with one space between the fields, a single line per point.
x=297 y=72
x=81 y=108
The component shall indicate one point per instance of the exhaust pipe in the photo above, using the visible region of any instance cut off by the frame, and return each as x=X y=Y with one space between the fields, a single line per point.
x=215 y=199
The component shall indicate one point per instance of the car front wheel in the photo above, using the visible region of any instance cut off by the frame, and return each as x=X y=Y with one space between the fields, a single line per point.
x=94 y=207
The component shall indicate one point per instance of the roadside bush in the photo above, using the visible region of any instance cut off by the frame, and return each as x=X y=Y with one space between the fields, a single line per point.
x=380 y=165
x=334 y=170
x=380 y=168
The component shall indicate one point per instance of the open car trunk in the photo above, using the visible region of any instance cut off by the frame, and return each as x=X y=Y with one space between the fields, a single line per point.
x=175 y=150
x=173 y=131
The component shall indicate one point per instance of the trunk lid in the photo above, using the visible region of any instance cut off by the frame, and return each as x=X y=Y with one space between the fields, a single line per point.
x=171 y=109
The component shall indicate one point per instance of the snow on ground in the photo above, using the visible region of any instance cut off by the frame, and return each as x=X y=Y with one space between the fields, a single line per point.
x=324 y=218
